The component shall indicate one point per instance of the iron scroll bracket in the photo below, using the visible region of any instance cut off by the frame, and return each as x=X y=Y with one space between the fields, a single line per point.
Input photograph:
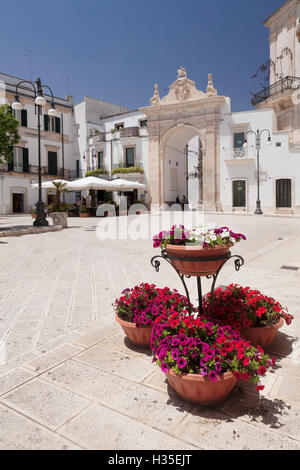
x=238 y=263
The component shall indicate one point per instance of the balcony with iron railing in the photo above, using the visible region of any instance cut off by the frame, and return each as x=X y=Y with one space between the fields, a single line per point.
x=281 y=86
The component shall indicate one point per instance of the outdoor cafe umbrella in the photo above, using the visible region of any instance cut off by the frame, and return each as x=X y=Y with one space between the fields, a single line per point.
x=120 y=184
x=49 y=184
x=90 y=182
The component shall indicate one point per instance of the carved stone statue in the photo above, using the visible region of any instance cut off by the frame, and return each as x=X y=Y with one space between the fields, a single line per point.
x=181 y=73
x=155 y=98
x=210 y=90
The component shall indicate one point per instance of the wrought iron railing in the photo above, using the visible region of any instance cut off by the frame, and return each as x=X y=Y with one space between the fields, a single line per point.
x=286 y=83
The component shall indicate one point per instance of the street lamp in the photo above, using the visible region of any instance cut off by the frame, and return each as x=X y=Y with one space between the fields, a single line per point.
x=258 y=134
x=40 y=101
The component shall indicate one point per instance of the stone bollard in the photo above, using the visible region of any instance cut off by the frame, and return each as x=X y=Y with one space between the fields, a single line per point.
x=59 y=218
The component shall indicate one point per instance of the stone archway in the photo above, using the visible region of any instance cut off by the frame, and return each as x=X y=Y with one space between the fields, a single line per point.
x=185 y=110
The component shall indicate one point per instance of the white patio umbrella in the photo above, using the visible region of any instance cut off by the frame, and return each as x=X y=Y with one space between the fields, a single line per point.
x=49 y=184
x=90 y=182
x=125 y=185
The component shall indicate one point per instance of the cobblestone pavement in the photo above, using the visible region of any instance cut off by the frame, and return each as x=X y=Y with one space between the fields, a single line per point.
x=72 y=381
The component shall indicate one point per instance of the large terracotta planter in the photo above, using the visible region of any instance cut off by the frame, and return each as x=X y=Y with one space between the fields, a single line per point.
x=137 y=336
x=262 y=336
x=197 y=261
x=196 y=389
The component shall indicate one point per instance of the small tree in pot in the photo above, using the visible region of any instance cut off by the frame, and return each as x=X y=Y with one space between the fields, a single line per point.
x=58 y=210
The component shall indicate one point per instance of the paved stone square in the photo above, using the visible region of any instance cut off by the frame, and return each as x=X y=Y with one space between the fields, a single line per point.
x=73 y=381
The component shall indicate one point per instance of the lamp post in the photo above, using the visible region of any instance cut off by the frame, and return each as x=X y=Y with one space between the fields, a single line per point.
x=258 y=134
x=40 y=101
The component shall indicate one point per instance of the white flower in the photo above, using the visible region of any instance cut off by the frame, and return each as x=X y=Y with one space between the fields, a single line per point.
x=232 y=240
x=225 y=234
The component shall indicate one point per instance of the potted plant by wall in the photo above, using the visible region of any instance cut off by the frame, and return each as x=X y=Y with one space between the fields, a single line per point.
x=34 y=212
x=84 y=211
x=198 y=251
x=137 y=308
x=203 y=360
x=58 y=210
x=257 y=316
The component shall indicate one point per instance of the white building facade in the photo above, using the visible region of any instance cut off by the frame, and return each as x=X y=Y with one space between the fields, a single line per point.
x=57 y=136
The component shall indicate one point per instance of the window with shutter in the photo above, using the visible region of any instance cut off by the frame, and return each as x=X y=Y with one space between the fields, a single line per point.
x=21 y=116
x=100 y=160
x=239 y=140
x=52 y=163
x=25 y=160
x=57 y=125
x=46 y=122
x=10 y=164
x=129 y=157
x=24 y=117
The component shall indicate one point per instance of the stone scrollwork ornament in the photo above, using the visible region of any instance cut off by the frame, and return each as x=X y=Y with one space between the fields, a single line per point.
x=211 y=91
x=155 y=98
x=182 y=91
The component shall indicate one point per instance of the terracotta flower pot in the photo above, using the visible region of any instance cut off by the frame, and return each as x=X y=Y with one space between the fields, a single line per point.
x=137 y=336
x=197 y=261
x=84 y=214
x=196 y=389
x=262 y=336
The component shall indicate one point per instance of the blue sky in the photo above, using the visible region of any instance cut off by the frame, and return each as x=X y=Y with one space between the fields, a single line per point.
x=116 y=51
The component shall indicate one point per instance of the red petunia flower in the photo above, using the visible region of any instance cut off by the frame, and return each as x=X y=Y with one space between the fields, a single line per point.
x=262 y=370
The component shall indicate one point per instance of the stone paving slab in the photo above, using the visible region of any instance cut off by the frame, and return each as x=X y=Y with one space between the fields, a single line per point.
x=19 y=433
x=99 y=428
x=45 y=403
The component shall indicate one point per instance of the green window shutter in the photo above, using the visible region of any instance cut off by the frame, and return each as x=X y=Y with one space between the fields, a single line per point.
x=25 y=160
x=46 y=122
x=57 y=125
x=100 y=160
x=129 y=157
x=24 y=118
x=11 y=162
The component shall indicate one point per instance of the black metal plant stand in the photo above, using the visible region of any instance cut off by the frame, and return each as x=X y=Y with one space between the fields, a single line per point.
x=238 y=263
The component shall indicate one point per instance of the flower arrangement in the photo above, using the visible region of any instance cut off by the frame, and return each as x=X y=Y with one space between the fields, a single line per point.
x=205 y=235
x=242 y=307
x=189 y=345
x=144 y=303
